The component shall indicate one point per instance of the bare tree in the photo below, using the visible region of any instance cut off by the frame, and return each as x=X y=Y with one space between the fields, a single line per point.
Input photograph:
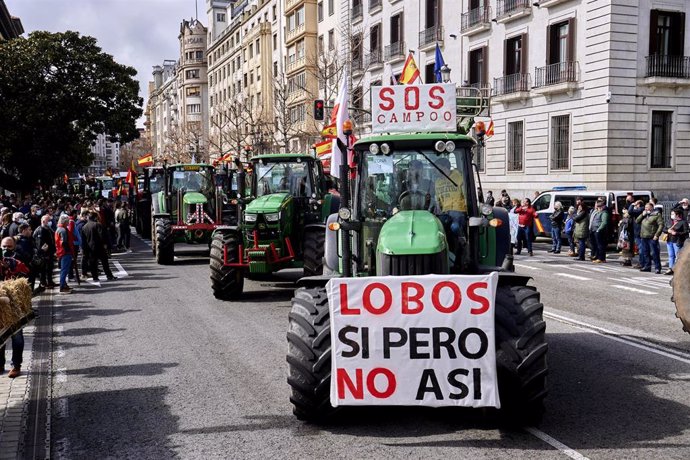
x=184 y=143
x=134 y=150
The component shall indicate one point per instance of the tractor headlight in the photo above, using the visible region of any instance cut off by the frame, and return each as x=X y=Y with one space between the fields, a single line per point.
x=440 y=146
x=385 y=149
x=373 y=149
x=450 y=146
x=344 y=213
x=487 y=209
x=250 y=217
x=272 y=217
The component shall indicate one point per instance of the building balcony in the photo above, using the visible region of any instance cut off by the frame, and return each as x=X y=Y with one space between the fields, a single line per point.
x=375 y=6
x=429 y=37
x=550 y=3
x=395 y=52
x=374 y=60
x=511 y=88
x=295 y=65
x=476 y=20
x=662 y=71
x=294 y=34
x=357 y=13
x=509 y=10
x=292 y=4
x=556 y=78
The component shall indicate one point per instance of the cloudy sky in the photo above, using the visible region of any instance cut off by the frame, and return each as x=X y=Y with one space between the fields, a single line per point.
x=138 y=33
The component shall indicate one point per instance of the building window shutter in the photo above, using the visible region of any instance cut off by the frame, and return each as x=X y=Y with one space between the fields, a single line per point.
x=549 y=35
x=485 y=66
x=678 y=25
x=571 y=40
x=505 y=58
x=653 y=26
x=524 y=54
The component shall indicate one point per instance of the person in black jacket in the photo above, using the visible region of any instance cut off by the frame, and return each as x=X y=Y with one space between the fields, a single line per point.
x=95 y=245
x=677 y=234
x=557 y=219
x=26 y=251
x=45 y=246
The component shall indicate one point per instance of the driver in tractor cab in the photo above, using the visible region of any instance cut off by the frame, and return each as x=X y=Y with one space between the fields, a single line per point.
x=193 y=183
x=417 y=195
x=450 y=198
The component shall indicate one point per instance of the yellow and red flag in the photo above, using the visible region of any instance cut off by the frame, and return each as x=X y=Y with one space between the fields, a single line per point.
x=146 y=160
x=330 y=131
x=323 y=148
x=410 y=71
x=490 y=129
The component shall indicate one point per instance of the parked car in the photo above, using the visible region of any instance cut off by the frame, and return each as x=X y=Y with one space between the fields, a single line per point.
x=615 y=201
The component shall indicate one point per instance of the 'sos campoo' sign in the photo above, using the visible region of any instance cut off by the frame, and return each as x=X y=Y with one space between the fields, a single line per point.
x=413 y=108
x=427 y=340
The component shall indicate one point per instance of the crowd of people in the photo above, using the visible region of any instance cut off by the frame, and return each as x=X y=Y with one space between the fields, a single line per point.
x=641 y=229
x=43 y=230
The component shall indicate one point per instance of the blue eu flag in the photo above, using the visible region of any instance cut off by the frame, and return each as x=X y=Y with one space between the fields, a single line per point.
x=438 y=64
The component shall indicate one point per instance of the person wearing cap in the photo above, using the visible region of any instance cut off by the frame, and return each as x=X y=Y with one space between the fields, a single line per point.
x=684 y=208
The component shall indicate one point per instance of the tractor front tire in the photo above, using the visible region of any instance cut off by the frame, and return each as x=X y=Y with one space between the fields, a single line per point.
x=521 y=351
x=227 y=282
x=164 y=244
x=309 y=355
x=314 y=247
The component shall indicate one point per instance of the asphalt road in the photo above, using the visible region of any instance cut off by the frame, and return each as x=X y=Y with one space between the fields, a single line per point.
x=152 y=366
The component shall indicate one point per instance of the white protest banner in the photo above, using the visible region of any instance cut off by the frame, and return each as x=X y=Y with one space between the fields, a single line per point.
x=406 y=341
x=413 y=108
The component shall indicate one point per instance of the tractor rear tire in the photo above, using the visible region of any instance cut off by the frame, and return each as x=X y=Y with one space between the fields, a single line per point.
x=165 y=243
x=681 y=288
x=227 y=282
x=314 y=247
x=309 y=355
x=153 y=237
x=521 y=351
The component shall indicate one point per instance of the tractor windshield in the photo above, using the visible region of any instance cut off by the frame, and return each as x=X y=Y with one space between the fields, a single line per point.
x=413 y=180
x=156 y=183
x=199 y=180
x=292 y=177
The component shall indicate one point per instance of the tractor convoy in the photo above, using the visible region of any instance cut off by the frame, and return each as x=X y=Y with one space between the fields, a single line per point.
x=408 y=294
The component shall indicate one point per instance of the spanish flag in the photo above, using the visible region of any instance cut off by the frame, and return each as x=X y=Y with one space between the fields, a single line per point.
x=146 y=160
x=490 y=130
x=323 y=148
x=410 y=71
x=330 y=131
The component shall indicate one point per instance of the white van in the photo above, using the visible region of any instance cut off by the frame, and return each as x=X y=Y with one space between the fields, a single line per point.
x=615 y=201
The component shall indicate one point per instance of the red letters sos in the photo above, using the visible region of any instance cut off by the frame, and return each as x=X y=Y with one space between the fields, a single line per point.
x=412 y=298
x=412 y=98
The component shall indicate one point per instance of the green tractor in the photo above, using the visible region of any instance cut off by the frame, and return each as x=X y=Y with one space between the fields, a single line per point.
x=281 y=225
x=153 y=179
x=187 y=210
x=393 y=224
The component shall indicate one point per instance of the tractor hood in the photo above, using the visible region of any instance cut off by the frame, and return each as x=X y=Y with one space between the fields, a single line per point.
x=194 y=198
x=268 y=203
x=412 y=232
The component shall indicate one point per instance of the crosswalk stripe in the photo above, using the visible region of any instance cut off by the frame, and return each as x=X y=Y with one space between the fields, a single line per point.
x=527 y=267
x=632 y=289
x=575 y=277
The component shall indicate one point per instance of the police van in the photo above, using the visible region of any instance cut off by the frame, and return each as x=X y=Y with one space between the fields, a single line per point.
x=615 y=202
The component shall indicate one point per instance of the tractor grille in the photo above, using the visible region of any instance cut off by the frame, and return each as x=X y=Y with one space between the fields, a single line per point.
x=424 y=264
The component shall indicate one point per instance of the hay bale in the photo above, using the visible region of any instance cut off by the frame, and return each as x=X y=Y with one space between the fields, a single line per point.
x=19 y=294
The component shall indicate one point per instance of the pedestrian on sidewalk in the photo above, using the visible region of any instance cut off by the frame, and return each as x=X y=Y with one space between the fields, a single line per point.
x=557 y=219
x=581 y=232
x=625 y=239
x=570 y=231
x=526 y=215
x=124 y=232
x=598 y=225
x=64 y=246
x=651 y=226
x=677 y=234
x=96 y=240
x=12 y=268
x=635 y=211
x=45 y=245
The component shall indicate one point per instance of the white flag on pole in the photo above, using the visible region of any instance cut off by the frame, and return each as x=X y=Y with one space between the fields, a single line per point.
x=341 y=115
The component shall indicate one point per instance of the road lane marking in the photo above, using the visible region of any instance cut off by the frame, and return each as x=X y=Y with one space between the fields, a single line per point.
x=577 y=269
x=121 y=273
x=632 y=289
x=642 y=344
x=645 y=282
x=556 y=443
x=575 y=277
x=527 y=267
x=92 y=282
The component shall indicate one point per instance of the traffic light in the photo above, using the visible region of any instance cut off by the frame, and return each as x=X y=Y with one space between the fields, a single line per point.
x=319 y=110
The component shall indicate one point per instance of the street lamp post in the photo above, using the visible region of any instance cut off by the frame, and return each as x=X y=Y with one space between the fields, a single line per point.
x=445 y=73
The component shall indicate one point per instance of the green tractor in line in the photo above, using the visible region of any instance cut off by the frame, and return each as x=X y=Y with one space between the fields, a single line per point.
x=187 y=209
x=282 y=223
x=391 y=225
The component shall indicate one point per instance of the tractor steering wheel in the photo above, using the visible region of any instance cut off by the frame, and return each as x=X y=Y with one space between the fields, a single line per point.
x=406 y=194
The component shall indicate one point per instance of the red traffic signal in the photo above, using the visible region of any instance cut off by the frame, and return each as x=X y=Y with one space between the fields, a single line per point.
x=319 y=112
